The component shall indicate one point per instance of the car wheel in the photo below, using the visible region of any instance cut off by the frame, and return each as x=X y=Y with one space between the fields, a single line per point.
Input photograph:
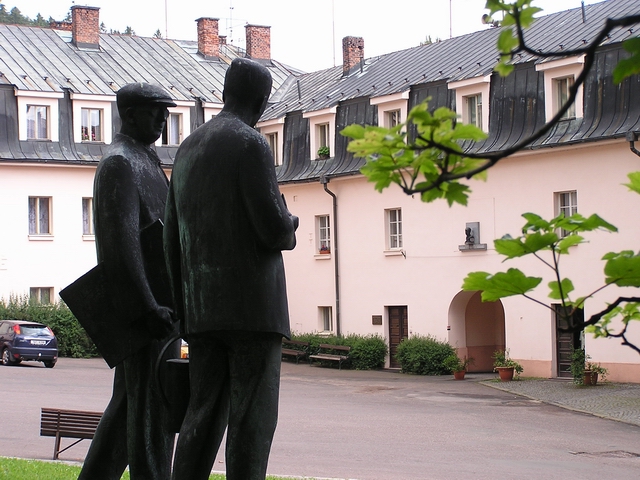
x=49 y=363
x=6 y=357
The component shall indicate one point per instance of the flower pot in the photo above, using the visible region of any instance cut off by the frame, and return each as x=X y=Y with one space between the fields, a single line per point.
x=590 y=378
x=459 y=375
x=506 y=373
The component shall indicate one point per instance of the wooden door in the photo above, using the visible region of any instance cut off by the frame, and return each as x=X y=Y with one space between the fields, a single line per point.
x=566 y=342
x=398 y=330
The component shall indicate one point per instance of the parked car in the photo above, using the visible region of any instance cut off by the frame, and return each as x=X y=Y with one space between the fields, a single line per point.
x=21 y=340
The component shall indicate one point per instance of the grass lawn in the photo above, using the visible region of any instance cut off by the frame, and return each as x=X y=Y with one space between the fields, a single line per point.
x=20 y=469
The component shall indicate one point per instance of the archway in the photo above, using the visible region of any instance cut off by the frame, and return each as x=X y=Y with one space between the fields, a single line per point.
x=476 y=329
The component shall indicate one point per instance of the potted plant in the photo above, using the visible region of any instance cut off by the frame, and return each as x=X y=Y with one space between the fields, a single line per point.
x=505 y=366
x=324 y=249
x=457 y=366
x=592 y=371
x=323 y=153
x=577 y=366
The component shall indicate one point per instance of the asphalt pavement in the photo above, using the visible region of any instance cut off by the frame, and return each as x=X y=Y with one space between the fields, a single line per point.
x=383 y=425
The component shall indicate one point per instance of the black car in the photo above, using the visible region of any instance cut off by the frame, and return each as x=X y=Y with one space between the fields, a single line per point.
x=21 y=340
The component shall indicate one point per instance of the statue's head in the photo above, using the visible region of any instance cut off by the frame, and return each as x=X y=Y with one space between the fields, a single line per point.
x=143 y=109
x=247 y=85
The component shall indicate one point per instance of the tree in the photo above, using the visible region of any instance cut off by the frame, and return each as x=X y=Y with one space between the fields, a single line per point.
x=435 y=165
x=129 y=31
x=157 y=34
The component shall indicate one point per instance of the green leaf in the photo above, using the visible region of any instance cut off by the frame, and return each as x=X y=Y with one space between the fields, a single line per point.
x=560 y=291
x=634 y=184
x=568 y=241
x=622 y=269
x=507 y=41
x=353 y=131
x=500 y=285
x=504 y=69
x=628 y=66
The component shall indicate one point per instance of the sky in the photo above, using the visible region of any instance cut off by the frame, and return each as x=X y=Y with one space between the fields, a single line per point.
x=305 y=35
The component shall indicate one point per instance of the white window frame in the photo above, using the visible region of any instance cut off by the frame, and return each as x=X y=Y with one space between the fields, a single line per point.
x=555 y=70
x=321 y=117
x=184 y=110
x=391 y=103
x=393 y=229
x=93 y=102
x=274 y=127
x=468 y=88
x=87 y=217
x=37 y=294
x=323 y=234
x=568 y=208
x=325 y=319
x=45 y=99
x=37 y=230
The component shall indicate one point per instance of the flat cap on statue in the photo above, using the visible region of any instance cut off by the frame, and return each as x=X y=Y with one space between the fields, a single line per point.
x=140 y=93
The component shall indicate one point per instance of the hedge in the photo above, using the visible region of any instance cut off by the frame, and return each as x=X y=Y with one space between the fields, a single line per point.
x=424 y=355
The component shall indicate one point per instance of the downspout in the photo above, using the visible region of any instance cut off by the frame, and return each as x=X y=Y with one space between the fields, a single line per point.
x=632 y=137
x=334 y=251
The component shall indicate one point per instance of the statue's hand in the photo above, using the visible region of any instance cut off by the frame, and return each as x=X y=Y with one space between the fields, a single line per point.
x=159 y=322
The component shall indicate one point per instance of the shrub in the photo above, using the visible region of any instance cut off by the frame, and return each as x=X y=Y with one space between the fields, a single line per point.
x=424 y=355
x=73 y=341
x=367 y=352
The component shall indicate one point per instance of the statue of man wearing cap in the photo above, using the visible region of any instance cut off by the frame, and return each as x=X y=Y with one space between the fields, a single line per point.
x=130 y=191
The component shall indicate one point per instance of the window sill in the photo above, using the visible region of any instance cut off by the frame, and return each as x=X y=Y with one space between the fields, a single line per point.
x=94 y=142
x=322 y=256
x=88 y=238
x=41 y=238
x=394 y=253
x=476 y=247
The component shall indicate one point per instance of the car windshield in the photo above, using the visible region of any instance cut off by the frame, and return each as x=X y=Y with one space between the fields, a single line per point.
x=34 y=330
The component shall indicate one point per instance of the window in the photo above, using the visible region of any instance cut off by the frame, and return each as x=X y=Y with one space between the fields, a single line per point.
x=323 y=234
x=567 y=205
x=272 y=140
x=394 y=229
x=322 y=125
x=87 y=216
x=392 y=109
x=39 y=216
x=40 y=294
x=559 y=77
x=91 y=124
x=474 y=110
x=325 y=319
x=172 y=133
x=37 y=122
x=561 y=87
x=392 y=118
x=273 y=131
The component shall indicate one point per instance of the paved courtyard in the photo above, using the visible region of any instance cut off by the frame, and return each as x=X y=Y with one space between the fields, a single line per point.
x=381 y=425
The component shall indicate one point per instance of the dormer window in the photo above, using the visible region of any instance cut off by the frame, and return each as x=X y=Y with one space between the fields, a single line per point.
x=472 y=94
x=92 y=118
x=322 y=125
x=273 y=131
x=38 y=115
x=559 y=78
x=392 y=109
x=177 y=127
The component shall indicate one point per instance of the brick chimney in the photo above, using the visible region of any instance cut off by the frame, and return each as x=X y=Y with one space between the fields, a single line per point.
x=86 y=26
x=208 y=39
x=352 y=53
x=258 y=41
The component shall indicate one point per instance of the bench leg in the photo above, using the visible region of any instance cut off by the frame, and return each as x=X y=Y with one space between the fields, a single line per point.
x=56 y=447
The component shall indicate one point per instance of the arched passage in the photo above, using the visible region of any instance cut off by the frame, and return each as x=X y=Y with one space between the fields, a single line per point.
x=476 y=329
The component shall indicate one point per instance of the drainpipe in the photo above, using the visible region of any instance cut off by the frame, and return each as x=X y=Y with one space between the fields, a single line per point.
x=334 y=251
x=632 y=137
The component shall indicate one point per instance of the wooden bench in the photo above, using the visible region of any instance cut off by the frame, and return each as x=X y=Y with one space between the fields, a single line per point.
x=289 y=349
x=58 y=423
x=327 y=352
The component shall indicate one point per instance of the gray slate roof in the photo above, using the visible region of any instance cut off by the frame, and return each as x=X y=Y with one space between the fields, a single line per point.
x=455 y=59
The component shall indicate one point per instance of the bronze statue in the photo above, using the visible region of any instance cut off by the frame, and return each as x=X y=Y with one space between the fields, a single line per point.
x=130 y=191
x=225 y=226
